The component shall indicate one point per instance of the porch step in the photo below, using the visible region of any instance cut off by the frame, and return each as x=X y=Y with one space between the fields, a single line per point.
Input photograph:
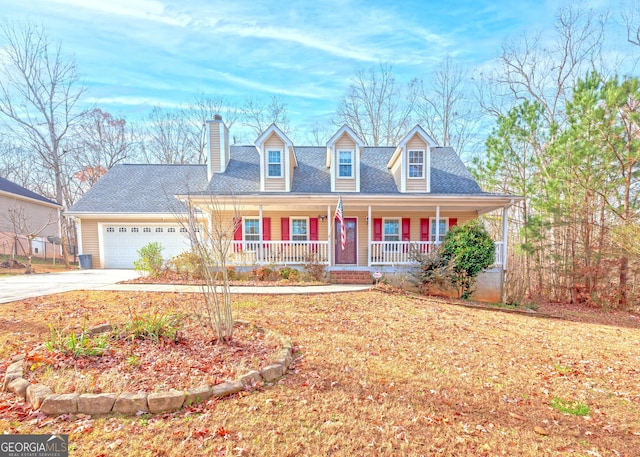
x=350 y=277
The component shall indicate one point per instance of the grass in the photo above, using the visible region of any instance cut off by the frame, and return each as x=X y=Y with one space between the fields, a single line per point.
x=40 y=265
x=377 y=374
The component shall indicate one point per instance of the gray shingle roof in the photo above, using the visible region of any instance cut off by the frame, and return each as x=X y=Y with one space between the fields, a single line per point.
x=128 y=188
x=449 y=175
x=144 y=188
x=242 y=176
x=13 y=188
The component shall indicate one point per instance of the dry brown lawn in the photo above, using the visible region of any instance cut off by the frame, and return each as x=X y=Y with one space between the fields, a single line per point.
x=377 y=374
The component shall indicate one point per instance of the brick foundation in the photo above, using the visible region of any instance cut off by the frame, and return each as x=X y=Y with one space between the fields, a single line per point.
x=350 y=277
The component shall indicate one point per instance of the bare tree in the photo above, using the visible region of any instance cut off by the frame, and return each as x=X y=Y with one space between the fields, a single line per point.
x=544 y=67
x=258 y=115
x=203 y=108
x=104 y=141
x=376 y=108
x=21 y=225
x=318 y=134
x=169 y=138
x=631 y=17
x=444 y=108
x=39 y=92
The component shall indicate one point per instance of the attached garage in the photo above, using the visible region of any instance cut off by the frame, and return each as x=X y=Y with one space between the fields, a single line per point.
x=121 y=242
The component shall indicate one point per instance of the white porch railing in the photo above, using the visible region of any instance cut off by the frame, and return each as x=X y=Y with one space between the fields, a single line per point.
x=398 y=252
x=498 y=253
x=278 y=252
x=403 y=252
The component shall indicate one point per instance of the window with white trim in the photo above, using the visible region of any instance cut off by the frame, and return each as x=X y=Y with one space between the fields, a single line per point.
x=274 y=163
x=147 y=230
x=183 y=230
x=416 y=164
x=135 y=229
x=171 y=230
x=251 y=229
x=299 y=229
x=110 y=230
x=391 y=230
x=345 y=164
x=444 y=227
x=122 y=230
x=159 y=229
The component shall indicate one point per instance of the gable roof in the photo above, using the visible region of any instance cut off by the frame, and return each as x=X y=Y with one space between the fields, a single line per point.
x=143 y=188
x=10 y=187
x=431 y=143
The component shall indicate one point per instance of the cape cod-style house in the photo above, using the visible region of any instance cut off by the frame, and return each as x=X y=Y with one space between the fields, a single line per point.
x=283 y=198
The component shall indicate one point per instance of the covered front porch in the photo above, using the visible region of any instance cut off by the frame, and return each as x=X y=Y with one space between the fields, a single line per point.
x=386 y=234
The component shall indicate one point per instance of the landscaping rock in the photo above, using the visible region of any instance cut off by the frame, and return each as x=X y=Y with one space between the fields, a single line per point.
x=93 y=404
x=14 y=371
x=272 y=372
x=227 y=388
x=284 y=357
x=36 y=393
x=129 y=403
x=60 y=404
x=251 y=378
x=18 y=358
x=19 y=387
x=102 y=328
x=197 y=395
x=165 y=401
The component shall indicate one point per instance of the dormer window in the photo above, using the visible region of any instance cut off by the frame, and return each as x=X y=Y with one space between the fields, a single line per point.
x=345 y=164
x=274 y=164
x=416 y=164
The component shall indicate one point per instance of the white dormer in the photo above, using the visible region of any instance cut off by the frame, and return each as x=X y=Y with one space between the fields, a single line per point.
x=277 y=160
x=410 y=163
x=344 y=151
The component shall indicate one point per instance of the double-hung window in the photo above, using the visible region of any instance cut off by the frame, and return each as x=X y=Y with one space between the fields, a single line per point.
x=274 y=163
x=251 y=229
x=444 y=225
x=416 y=164
x=345 y=164
x=299 y=230
x=391 y=230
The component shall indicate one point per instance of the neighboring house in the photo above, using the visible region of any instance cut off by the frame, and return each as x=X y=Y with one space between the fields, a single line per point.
x=23 y=212
x=395 y=200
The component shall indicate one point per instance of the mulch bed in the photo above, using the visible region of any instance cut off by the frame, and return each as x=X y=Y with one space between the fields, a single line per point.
x=135 y=365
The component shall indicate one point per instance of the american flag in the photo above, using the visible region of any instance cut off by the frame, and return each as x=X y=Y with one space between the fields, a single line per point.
x=340 y=217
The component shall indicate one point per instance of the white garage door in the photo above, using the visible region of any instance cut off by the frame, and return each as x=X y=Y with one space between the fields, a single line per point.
x=122 y=242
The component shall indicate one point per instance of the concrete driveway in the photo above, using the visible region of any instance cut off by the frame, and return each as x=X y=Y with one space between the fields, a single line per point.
x=19 y=287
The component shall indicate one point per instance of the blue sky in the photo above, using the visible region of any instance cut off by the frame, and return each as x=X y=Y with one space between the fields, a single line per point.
x=134 y=54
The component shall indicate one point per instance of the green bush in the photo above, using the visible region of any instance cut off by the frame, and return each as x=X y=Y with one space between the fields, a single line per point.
x=189 y=263
x=150 y=259
x=472 y=250
x=289 y=274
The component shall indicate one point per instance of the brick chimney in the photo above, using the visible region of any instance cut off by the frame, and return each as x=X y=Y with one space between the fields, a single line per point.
x=217 y=136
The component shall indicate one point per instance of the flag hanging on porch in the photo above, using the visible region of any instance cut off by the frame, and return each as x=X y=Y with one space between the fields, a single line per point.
x=340 y=217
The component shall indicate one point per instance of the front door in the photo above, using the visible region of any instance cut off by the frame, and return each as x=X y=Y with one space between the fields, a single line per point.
x=348 y=255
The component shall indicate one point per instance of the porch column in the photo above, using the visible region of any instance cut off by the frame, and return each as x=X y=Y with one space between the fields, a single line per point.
x=505 y=235
x=329 y=247
x=369 y=237
x=260 y=237
x=437 y=240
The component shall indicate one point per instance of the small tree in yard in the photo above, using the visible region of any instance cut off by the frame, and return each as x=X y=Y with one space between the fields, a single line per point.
x=472 y=250
x=150 y=260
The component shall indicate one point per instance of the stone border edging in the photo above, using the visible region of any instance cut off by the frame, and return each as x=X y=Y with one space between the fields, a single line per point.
x=42 y=397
